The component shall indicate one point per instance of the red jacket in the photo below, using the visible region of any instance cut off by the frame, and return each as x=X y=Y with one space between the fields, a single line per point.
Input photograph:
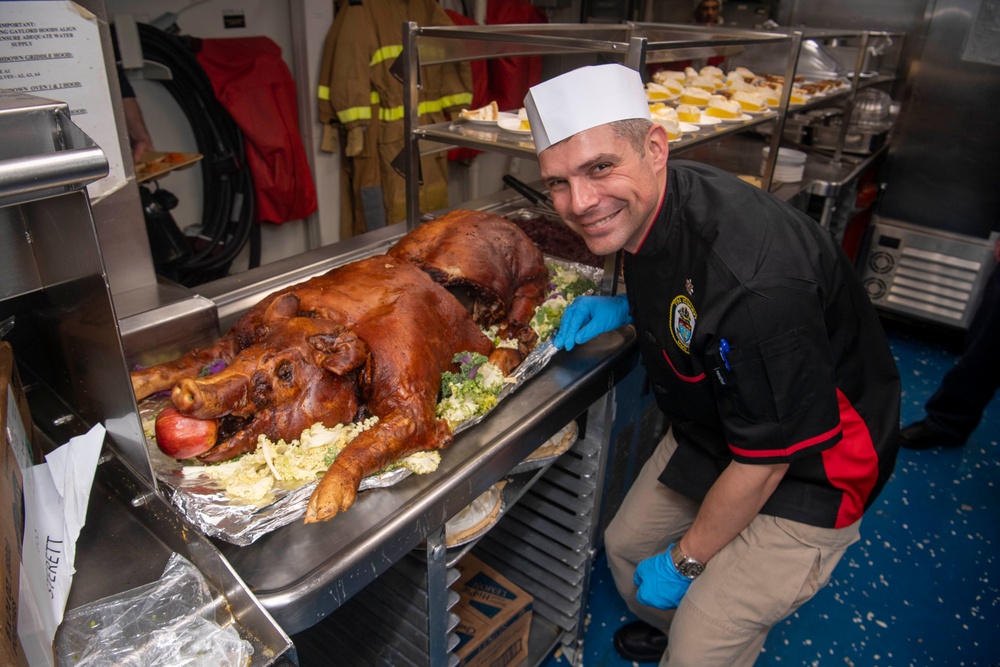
x=255 y=86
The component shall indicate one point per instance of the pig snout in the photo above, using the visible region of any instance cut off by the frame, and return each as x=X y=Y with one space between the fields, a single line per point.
x=212 y=397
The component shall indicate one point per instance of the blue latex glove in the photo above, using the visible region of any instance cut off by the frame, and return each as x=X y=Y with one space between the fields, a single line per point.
x=590 y=316
x=660 y=584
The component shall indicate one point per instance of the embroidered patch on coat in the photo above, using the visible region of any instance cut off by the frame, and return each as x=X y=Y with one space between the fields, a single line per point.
x=682 y=320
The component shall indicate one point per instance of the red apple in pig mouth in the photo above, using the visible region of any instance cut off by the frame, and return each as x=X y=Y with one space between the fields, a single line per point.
x=182 y=437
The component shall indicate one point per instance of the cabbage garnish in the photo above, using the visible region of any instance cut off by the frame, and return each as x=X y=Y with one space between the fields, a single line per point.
x=470 y=392
x=564 y=285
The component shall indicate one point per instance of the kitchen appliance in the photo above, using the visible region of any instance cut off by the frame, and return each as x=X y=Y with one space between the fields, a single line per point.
x=871 y=121
x=868 y=130
x=926 y=273
x=858 y=140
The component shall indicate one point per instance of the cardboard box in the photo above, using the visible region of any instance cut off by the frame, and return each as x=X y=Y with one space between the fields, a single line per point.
x=15 y=452
x=494 y=617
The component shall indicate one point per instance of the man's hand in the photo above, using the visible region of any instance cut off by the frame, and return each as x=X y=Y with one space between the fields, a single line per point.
x=135 y=127
x=590 y=316
x=660 y=584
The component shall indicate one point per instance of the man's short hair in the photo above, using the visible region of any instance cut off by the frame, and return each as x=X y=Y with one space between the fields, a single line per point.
x=634 y=131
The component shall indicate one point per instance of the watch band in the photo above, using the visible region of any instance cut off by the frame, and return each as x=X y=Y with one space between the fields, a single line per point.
x=686 y=566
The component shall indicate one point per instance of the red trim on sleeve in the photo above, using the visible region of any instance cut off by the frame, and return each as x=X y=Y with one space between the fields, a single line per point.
x=852 y=465
x=686 y=378
x=786 y=451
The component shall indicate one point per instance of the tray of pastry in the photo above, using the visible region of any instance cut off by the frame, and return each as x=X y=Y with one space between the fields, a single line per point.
x=550 y=450
x=476 y=519
x=155 y=164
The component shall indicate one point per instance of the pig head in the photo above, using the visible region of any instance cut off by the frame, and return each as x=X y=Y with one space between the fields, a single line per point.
x=301 y=373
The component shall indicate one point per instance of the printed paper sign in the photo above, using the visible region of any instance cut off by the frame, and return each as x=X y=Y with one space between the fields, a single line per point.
x=52 y=49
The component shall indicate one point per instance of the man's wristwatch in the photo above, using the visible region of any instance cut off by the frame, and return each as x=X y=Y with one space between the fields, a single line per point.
x=687 y=566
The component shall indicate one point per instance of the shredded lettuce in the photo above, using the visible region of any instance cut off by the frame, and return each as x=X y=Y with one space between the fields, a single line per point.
x=470 y=392
x=253 y=476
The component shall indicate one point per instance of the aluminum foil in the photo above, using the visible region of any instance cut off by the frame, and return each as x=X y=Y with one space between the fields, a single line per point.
x=204 y=503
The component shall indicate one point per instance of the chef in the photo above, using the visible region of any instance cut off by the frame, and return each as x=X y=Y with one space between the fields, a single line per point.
x=763 y=350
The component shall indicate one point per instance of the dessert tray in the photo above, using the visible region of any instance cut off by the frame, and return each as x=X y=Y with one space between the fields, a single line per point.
x=503 y=115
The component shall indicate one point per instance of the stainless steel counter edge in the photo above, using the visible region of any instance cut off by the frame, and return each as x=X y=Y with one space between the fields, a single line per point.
x=301 y=573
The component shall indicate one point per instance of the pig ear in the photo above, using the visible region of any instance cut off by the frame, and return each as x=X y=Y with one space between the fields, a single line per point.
x=282 y=308
x=340 y=353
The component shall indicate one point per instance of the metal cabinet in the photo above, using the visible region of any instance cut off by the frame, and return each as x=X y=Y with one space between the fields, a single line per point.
x=543 y=543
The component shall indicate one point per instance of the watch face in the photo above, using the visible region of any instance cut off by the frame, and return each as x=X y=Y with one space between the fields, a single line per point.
x=690 y=568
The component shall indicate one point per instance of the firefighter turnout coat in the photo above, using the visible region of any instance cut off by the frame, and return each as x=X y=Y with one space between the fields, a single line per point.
x=362 y=101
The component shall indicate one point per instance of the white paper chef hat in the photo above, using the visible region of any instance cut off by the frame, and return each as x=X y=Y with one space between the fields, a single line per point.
x=582 y=99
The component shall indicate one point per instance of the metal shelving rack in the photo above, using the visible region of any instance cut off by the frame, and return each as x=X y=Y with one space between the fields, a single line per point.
x=632 y=44
x=635 y=45
x=863 y=44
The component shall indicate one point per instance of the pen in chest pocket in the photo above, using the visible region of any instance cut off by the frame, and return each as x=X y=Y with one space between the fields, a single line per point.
x=723 y=351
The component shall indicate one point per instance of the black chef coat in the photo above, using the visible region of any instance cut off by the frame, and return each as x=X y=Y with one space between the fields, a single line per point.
x=808 y=378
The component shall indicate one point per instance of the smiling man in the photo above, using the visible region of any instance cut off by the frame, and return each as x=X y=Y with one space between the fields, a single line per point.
x=763 y=350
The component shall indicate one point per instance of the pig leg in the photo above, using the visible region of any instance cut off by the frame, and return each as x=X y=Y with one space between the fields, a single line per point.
x=395 y=436
x=148 y=381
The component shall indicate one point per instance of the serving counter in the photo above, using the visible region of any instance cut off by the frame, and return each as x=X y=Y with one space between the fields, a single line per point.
x=303 y=572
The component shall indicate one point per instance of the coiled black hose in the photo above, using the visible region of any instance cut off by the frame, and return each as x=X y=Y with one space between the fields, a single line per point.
x=228 y=208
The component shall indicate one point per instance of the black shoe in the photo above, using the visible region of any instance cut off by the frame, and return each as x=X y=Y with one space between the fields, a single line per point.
x=919 y=435
x=639 y=641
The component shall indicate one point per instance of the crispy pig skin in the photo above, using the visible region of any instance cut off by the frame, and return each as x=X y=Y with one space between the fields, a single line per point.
x=370 y=337
x=413 y=328
x=495 y=260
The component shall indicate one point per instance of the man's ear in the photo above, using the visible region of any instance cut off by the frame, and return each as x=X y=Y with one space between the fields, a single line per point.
x=658 y=145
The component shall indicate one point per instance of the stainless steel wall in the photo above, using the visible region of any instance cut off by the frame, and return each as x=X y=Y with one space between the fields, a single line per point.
x=941 y=171
x=893 y=15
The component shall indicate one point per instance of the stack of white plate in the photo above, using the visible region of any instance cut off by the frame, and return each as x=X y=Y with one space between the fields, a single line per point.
x=790 y=166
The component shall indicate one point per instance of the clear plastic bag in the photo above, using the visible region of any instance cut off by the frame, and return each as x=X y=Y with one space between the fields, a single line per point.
x=170 y=622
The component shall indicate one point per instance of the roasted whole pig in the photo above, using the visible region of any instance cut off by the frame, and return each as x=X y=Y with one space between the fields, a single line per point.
x=368 y=338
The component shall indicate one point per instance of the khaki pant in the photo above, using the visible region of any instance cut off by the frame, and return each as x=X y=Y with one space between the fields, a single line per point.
x=772 y=567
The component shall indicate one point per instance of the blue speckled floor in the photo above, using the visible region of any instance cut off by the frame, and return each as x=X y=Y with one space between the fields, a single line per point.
x=922 y=587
